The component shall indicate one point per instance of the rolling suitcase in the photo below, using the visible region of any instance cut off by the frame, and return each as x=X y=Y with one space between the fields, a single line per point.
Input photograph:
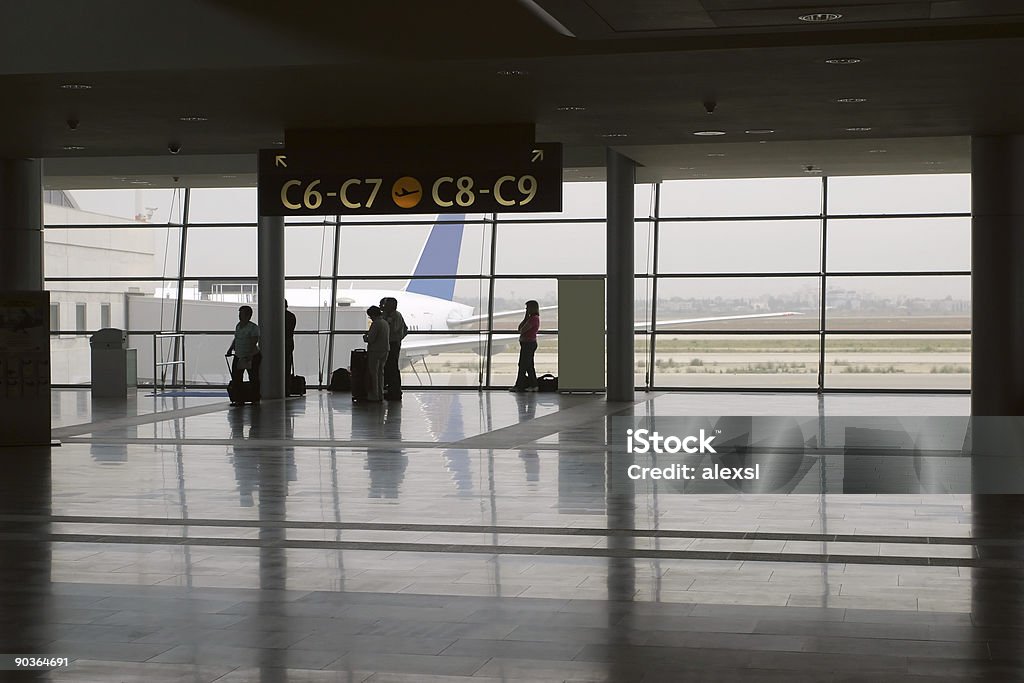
x=296 y=385
x=359 y=369
x=242 y=392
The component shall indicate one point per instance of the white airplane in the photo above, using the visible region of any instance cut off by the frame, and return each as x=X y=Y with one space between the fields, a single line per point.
x=427 y=303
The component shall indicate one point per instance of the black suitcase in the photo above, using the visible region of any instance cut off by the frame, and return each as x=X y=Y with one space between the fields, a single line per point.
x=547 y=383
x=359 y=367
x=341 y=380
x=243 y=392
x=296 y=385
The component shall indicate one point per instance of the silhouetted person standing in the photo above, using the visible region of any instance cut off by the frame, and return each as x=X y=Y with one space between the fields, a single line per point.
x=377 y=343
x=246 y=348
x=397 y=331
x=528 y=328
x=289 y=339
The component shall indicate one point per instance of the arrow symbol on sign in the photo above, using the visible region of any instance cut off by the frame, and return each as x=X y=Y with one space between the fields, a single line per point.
x=538 y=155
x=281 y=160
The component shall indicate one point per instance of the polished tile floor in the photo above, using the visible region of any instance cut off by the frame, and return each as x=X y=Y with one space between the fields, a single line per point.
x=477 y=537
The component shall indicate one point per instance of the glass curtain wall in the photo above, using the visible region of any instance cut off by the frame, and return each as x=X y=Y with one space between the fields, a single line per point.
x=784 y=283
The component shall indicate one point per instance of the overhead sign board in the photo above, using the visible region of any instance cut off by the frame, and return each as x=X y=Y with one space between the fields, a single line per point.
x=314 y=183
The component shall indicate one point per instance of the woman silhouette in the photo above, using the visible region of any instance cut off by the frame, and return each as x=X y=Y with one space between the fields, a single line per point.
x=527 y=376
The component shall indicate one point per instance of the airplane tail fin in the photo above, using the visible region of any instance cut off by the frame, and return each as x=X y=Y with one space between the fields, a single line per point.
x=440 y=256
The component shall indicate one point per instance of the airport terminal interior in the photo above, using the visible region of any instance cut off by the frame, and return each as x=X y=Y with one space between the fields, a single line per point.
x=784 y=234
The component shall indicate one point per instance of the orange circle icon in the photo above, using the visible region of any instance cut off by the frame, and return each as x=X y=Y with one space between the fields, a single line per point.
x=406 y=192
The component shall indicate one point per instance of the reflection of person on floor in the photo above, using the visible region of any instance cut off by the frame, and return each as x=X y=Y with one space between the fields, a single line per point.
x=397 y=331
x=387 y=465
x=528 y=328
x=529 y=455
x=377 y=343
x=243 y=458
x=246 y=349
x=289 y=339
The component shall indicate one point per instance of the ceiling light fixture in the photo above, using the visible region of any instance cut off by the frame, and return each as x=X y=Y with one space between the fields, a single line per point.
x=614 y=135
x=75 y=86
x=73 y=148
x=759 y=131
x=858 y=129
x=851 y=100
x=192 y=119
x=820 y=17
x=715 y=154
x=708 y=133
x=570 y=107
x=513 y=73
x=877 y=151
x=843 y=60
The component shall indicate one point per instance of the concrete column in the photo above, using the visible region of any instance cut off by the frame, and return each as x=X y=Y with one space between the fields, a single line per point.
x=621 y=179
x=21 y=225
x=271 y=305
x=997 y=275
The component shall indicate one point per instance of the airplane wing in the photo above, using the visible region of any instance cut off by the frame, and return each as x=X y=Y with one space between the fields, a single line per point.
x=421 y=346
x=499 y=314
x=713 y=319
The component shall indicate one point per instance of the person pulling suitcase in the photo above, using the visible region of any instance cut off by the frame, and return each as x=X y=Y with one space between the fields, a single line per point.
x=246 y=350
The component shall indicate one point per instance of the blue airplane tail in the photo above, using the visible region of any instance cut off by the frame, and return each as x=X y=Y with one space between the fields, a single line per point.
x=440 y=256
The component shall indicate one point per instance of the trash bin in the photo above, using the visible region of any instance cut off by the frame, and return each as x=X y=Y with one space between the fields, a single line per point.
x=110 y=358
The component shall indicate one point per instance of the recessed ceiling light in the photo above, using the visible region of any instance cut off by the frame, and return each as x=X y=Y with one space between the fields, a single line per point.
x=570 y=107
x=859 y=129
x=229 y=176
x=708 y=133
x=933 y=163
x=820 y=17
x=75 y=86
x=586 y=177
x=759 y=131
x=715 y=154
x=73 y=148
x=512 y=73
x=877 y=151
x=278 y=142
x=843 y=60
x=851 y=100
x=138 y=182
x=685 y=168
x=614 y=135
x=192 y=119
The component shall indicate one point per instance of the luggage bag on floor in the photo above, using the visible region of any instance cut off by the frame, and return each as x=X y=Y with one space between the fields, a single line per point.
x=359 y=367
x=547 y=383
x=296 y=385
x=242 y=392
x=341 y=380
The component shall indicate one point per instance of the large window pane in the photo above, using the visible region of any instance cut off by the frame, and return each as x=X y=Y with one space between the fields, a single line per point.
x=739 y=247
x=510 y=297
x=112 y=252
x=444 y=248
x=898 y=303
x=895 y=244
x=748 y=197
x=309 y=251
x=113 y=207
x=708 y=361
x=223 y=205
x=505 y=358
x=894 y=361
x=551 y=248
x=738 y=303
x=216 y=251
x=428 y=305
x=70 y=361
x=938 y=193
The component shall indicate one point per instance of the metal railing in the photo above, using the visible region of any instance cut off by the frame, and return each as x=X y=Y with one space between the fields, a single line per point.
x=177 y=349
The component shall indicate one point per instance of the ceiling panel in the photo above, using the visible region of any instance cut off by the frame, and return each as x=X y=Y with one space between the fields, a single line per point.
x=653 y=15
